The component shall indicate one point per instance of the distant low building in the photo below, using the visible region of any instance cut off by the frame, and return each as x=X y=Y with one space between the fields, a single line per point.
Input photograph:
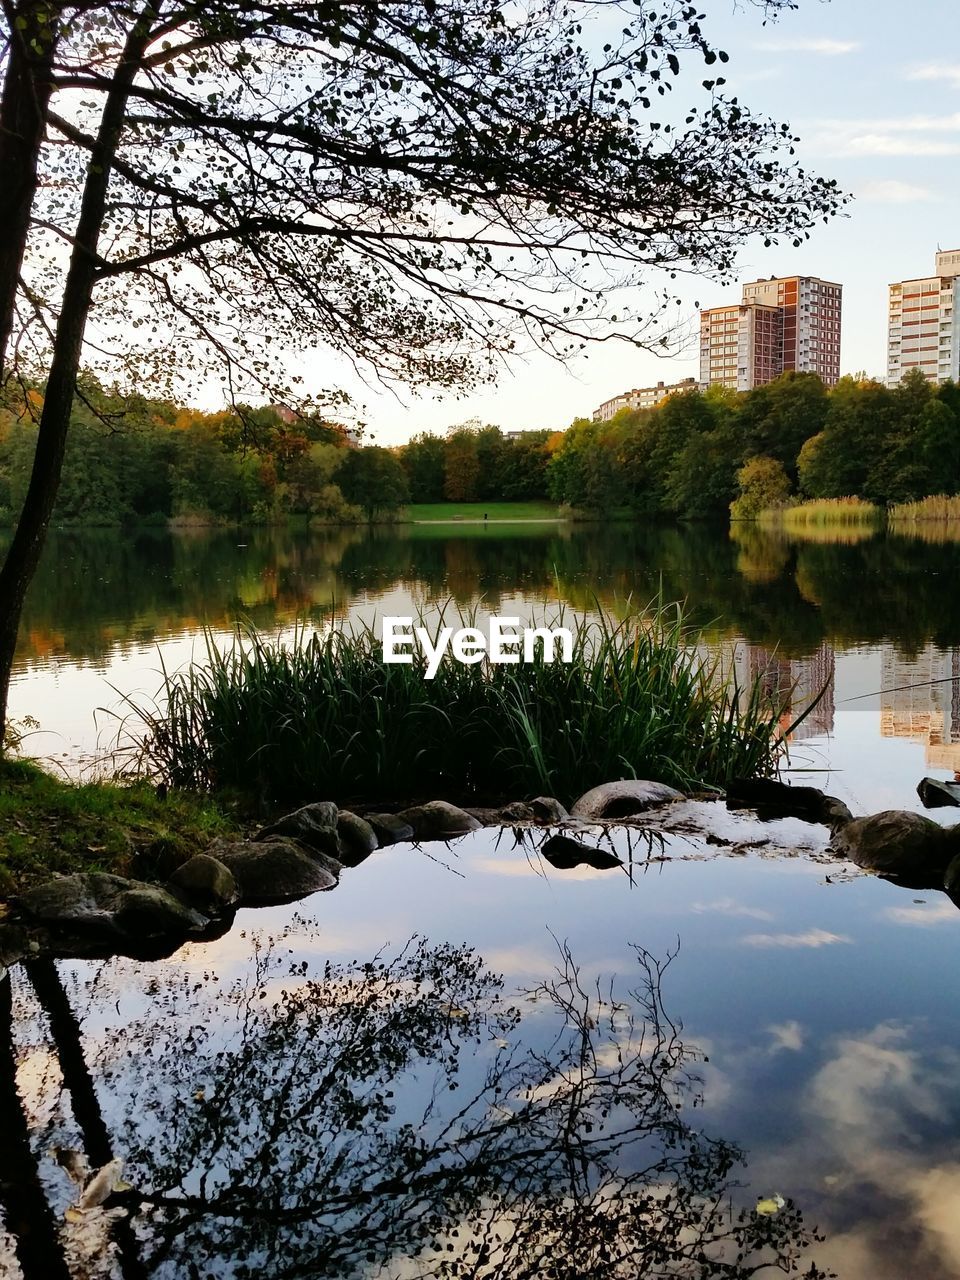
x=642 y=398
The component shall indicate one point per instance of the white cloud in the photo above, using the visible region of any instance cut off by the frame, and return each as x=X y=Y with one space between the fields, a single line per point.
x=887 y=144
x=890 y=191
x=937 y=71
x=823 y=46
x=812 y=938
x=883 y=136
x=885 y=124
x=786 y=1035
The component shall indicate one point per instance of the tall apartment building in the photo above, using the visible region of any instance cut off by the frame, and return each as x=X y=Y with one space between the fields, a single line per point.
x=740 y=345
x=784 y=323
x=641 y=398
x=923 y=331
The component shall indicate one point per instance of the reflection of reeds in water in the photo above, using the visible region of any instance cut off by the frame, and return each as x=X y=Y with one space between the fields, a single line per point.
x=938 y=531
x=837 y=535
x=826 y=520
x=934 y=519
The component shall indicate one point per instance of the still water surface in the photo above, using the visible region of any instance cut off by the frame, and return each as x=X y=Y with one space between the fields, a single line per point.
x=259 y=1096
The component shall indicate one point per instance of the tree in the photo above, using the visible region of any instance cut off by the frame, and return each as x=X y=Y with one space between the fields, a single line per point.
x=423 y=461
x=523 y=469
x=419 y=187
x=839 y=461
x=763 y=484
x=395 y=1116
x=373 y=479
x=584 y=471
x=461 y=467
x=778 y=417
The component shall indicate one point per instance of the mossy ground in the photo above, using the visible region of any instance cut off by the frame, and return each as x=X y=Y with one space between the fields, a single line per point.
x=49 y=825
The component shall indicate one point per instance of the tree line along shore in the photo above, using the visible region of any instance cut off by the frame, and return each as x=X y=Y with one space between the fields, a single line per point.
x=695 y=456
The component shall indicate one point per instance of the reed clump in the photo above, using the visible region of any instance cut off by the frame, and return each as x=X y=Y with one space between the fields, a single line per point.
x=825 y=513
x=940 y=507
x=323 y=716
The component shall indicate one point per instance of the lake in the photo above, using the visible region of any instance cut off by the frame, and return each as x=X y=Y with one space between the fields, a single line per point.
x=463 y=1061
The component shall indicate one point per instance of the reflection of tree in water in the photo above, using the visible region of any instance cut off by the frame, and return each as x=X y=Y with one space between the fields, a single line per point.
x=387 y=1119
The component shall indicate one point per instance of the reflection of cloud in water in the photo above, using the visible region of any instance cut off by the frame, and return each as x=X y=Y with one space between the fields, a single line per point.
x=811 y=938
x=517 y=866
x=786 y=1035
x=924 y=914
x=232 y=951
x=524 y=961
x=730 y=907
x=879 y=1102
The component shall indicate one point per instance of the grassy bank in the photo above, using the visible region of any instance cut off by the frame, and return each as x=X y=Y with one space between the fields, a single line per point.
x=455 y=512
x=49 y=826
x=325 y=717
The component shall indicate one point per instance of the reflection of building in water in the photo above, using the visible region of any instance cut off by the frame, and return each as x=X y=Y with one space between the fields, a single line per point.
x=795 y=682
x=920 y=701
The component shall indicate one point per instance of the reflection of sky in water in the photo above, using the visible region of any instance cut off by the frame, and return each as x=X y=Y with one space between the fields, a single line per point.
x=94 y=633
x=826 y=1009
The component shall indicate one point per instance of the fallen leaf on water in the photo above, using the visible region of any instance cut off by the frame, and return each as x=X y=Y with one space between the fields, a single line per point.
x=771 y=1205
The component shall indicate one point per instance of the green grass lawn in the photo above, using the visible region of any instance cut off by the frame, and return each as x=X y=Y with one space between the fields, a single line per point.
x=49 y=825
x=459 y=511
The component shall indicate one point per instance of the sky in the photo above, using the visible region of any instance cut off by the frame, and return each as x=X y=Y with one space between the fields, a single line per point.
x=872 y=88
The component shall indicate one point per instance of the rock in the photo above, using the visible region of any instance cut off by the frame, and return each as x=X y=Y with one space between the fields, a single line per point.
x=276 y=869
x=834 y=813
x=936 y=794
x=389 y=829
x=207 y=882
x=517 y=811
x=563 y=852
x=485 y=816
x=623 y=799
x=546 y=809
x=357 y=838
x=951 y=879
x=898 y=844
x=147 y=912
x=14 y=945
x=315 y=825
x=85 y=900
x=772 y=799
x=100 y=909
x=581 y=824
x=438 y=820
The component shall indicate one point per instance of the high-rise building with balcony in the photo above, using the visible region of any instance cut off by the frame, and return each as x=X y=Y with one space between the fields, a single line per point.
x=784 y=323
x=923 y=332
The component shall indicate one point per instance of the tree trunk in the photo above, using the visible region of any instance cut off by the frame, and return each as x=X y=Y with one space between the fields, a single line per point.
x=84 y=1103
x=23 y=118
x=24 y=553
x=27 y=1212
